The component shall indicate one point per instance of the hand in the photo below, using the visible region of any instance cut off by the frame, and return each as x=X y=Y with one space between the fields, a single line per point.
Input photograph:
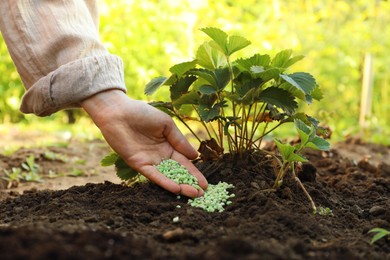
x=143 y=135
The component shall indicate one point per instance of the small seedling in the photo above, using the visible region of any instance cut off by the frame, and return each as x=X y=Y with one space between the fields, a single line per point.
x=55 y=156
x=380 y=233
x=292 y=155
x=32 y=170
x=13 y=177
x=324 y=211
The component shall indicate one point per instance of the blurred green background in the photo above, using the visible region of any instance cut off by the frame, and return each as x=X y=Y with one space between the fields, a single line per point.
x=151 y=36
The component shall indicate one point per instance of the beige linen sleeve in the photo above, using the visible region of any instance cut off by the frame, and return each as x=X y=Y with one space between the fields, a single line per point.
x=56 y=49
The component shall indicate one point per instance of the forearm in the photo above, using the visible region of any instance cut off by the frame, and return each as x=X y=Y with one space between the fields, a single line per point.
x=56 y=48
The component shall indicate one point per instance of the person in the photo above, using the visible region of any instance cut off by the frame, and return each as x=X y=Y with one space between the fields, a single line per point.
x=56 y=49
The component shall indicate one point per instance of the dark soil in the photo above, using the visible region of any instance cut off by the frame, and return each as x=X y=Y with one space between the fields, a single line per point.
x=107 y=220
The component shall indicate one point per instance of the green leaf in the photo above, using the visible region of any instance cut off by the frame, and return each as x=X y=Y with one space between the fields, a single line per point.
x=181 y=68
x=281 y=59
x=126 y=173
x=235 y=44
x=222 y=77
x=123 y=171
x=380 y=233
x=181 y=86
x=256 y=60
x=228 y=45
x=207 y=89
x=300 y=125
x=297 y=158
x=280 y=98
x=293 y=90
x=251 y=84
x=219 y=36
x=250 y=96
x=266 y=75
x=209 y=57
x=217 y=78
x=207 y=75
x=208 y=113
x=154 y=84
x=319 y=143
x=109 y=159
x=293 y=60
x=190 y=98
x=302 y=81
x=317 y=93
x=165 y=107
x=286 y=150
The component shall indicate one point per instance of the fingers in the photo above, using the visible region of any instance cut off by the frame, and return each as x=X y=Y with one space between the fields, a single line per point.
x=179 y=142
x=161 y=180
x=191 y=168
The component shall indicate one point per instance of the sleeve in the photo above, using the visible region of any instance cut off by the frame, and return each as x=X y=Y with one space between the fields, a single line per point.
x=56 y=48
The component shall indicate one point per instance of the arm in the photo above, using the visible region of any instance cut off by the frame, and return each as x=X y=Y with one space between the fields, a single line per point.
x=56 y=49
x=62 y=63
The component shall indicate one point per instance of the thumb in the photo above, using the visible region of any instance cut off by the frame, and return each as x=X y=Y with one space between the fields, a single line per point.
x=179 y=142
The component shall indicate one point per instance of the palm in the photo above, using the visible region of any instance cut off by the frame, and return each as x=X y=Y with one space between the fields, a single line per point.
x=143 y=136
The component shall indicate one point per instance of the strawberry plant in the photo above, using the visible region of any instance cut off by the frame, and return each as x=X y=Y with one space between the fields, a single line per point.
x=292 y=157
x=236 y=102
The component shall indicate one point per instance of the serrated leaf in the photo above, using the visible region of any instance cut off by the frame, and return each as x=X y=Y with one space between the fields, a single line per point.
x=319 y=143
x=207 y=89
x=317 y=94
x=281 y=58
x=293 y=90
x=244 y=88
x=207 y=75
x=181 y=68
x=301 y=80
x=286 y=150
x=257 y=69
x=126 y=173
x=266 y=75
x=165 y=107
x=293 y=60
x=256 y=60
x=300 y=125
x=181 y=86
x=109 y=159
x=297 y=158
x=208 y=113
x=154 y=84
x=280 y=98
x=236 y=43
x=190 y=98
x=209 y=57
x=217 y=78
x=218 y=36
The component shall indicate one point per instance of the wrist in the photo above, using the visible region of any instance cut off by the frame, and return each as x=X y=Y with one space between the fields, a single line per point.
x=101 y=101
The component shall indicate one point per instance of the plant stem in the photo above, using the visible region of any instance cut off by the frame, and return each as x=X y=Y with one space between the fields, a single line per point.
x=189 y=128
x=203 y=123
x=307 y=194
x=280 y=175
x=233 y=103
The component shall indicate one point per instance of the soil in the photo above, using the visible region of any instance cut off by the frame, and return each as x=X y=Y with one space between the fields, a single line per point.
x=107 y=219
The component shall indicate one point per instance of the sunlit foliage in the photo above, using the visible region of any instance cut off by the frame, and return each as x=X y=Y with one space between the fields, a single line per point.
x=334 y=36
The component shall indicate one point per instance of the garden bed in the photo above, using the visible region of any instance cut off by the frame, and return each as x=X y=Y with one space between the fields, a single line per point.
x=108 y=220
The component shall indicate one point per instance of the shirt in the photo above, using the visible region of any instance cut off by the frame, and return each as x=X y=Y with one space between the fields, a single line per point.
x=56 y=49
